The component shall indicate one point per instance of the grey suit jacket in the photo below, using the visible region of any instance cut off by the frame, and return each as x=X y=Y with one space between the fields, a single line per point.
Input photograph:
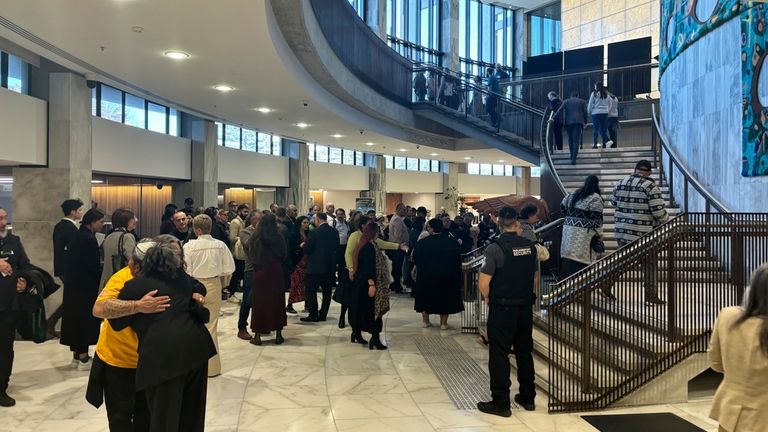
x=573 y=111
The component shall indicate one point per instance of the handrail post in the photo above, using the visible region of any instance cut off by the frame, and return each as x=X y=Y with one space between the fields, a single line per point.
x=586 y=339
x=672 y=331
x=685 y=196
x=671 y=177
x=737 y=263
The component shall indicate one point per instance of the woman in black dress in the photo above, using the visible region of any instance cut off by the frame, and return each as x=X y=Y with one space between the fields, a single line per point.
x=268 y=251
x=174 y=346
x=362 y=304
x=79 y=328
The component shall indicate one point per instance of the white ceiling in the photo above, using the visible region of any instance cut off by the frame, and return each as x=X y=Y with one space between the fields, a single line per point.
x=229 y=44
x=520 y=4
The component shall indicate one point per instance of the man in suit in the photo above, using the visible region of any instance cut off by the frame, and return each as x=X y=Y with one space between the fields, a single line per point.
x=63 y=233
x=573 y=113
x=321 y=248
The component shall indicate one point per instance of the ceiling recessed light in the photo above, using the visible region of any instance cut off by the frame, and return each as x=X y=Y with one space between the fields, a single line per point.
x=302 y=125
x=467 y=158
x=337 y=136
x=433 y=154
x=176 y=55
x=369 y=144
x=501 y=160
x=223 y=88
x=264 y=110
x=403 y=150
x=137 y=29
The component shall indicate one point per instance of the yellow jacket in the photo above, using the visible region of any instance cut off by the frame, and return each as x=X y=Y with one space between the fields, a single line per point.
x=354 y=240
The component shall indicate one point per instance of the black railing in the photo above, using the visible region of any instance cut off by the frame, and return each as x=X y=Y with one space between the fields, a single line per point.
x=668 y=286
x=664 y=154
x=415 y=52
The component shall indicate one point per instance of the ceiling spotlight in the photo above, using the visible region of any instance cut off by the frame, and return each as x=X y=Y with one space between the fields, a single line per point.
x=223 y=88
x=337 y=136
x=403 y=150
x=137 y=29
x=433 y=154
x=264 y=110
x=369 y=144
x=176 y=55
x=501 y=160
x=467 y=158
x=302 y=125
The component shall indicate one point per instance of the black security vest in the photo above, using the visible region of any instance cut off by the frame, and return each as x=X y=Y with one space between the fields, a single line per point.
x=512 y=284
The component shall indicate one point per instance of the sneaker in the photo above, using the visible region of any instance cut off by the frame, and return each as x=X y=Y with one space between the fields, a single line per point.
x=6 y=401
x=608 y=144
x=444 y=327
x=426 y=324
x=84 y=366
x=491 y=408
x=528 y=406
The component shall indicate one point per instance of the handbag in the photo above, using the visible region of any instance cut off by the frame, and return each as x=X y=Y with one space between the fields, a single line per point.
x=597 y=244
x=118 y=259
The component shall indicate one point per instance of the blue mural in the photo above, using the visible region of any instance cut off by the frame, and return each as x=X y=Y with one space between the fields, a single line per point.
x=754 y=40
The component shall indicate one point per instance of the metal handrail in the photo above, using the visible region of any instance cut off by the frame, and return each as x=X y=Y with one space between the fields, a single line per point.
x=548 y=154
x=688 y=177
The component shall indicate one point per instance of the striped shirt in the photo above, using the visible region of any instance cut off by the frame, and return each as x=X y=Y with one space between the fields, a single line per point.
x=639 y=207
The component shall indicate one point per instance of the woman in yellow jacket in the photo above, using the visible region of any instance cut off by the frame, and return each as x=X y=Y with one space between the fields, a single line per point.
x=739 y=350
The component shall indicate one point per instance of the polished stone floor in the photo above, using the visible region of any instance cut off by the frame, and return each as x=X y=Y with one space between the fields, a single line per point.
x=317 y=381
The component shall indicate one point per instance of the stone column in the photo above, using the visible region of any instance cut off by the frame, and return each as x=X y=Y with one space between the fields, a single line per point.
x=521 y=41
x=377 y=182
x=204 y=186
x=523 y=177
x=449 y=35
x=297 y=192
x=39 y=192
x=376 y=17
x=450 y=195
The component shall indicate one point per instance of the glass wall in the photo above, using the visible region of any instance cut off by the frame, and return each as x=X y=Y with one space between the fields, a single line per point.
x=248 y=139
x=336 y=155
x=116 y=105
x=490 y=169
x=359 y=6
x=413 y=29
x=544 y=32
x=411 y=164
x=14 y=73
x=486 y=36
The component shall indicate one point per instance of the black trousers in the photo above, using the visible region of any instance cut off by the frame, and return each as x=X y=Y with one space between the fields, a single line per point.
x=557 y=132
x=341 y=267
x=570 y=267
x=313 y=283
x=510 y=326
x=574 y=139
x=397 y=257
x=7 y=336
x=178 y=405
x=127 y=410
x=237 y=276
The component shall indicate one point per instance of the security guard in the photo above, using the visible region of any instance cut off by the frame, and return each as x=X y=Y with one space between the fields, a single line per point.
x=506 y=282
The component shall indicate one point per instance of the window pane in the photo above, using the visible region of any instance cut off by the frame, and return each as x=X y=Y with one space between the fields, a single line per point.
x=359 y=159
x=412 y=164
x=173 y=123
x=265 y=144
x=399 y=162
x=220 y=133
x=93 y=101
x=249 y=140
x=277 y=145
x=485 y=169
x=311 y=148
x=348 y=157
x=17 y=75
x=435 y=166
x=232 y=136
x=509 y=170
x=111 y=103
x=156 y=117
x=134 y=111
x=321 y=152
x=473 y=168
x=535 y=171
x=388 y=161
x=424 y=165
x=498 y=170
x=334 y=155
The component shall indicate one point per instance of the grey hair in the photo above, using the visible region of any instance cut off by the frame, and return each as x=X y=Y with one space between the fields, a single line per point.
x=292 y=207
x=164 y=261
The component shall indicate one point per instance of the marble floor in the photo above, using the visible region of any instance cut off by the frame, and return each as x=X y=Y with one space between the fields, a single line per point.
x=317 y=381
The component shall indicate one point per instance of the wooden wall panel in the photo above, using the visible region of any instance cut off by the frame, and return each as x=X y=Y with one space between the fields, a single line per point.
x=317 y=199
x=241 y=196
x=146 y=201
x=393 y=199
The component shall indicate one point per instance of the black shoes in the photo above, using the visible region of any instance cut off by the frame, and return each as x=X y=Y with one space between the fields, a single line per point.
x=309 y=319
x=342 y=323
x=6 y=401
x=256 y=339
x=491 y=408
x=375 y=342
x=279 y=337
x=357 y=338
x=289 y=309
x=528 y=406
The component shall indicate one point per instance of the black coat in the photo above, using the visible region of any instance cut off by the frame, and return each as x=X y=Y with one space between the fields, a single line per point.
x=63 y=233
x=173 y=342
x=79 y=328
x=11 y=249
x=438 y=275
x=321 y=248
x=362 y=308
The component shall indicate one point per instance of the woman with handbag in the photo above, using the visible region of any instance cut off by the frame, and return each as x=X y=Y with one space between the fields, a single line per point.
x=118 y=245
x=583 y=226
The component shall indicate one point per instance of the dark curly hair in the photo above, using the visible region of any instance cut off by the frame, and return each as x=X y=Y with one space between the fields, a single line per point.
x=164 y=261
x=267 y=243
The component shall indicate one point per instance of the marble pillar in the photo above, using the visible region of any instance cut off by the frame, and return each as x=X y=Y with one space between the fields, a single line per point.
x=297 y=192
x=204 y=186
x=450 y=195
x=524 y=181
x=377 y=182
x=376 y=17
x=521 y=41
x=449 y=36
x=39 y=192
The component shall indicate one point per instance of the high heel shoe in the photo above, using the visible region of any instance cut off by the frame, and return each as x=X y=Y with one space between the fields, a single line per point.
x=357 y=338
x=375 y=342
